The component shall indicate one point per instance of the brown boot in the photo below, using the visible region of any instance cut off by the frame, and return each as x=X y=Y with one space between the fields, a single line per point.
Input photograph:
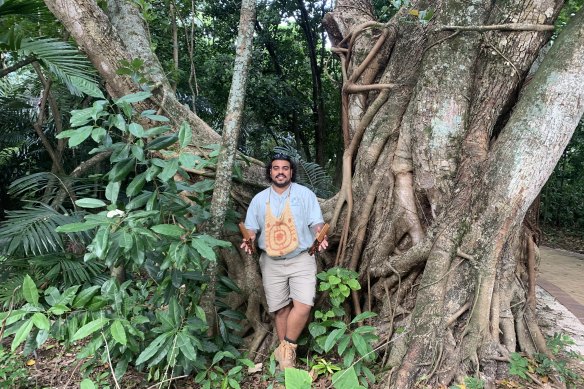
x=285 y=354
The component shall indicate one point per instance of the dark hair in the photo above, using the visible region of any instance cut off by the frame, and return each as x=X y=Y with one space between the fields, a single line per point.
x=281 y=157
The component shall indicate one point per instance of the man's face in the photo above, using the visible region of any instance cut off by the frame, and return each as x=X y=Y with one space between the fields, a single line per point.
x=281 y=173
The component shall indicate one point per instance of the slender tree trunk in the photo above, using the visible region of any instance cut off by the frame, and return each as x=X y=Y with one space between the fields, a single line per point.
x=228 y=151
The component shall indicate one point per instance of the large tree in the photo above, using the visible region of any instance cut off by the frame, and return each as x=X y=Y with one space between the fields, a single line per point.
x=450 y=132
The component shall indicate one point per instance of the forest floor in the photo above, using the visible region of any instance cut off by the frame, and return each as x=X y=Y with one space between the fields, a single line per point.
x=560 y=309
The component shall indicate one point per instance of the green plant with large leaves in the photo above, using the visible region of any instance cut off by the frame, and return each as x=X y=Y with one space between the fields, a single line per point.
x=351 y=340
x=140 y=220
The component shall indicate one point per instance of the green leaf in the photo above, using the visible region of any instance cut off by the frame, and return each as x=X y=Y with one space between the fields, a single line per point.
x=203 y=248
x=297 y=379
x=121 y=169
x=360 y=344
x=89 y=328
x=363 y=316
x=85 y=296
x=152 y=349
x=80 y=135
x=137 y=130
x=98 y=134
x=40 y=321
x=168 y=230
x=118 y=332
x=334 y=280
x=133 y=97
x=75 y=227
x=30 y=291
x=185 y=134
x=343 y=343
x=332 y=338
x=162 y=142
x=186 y=347
x=112 y=190
x=153 y=117
x=187 y=160
x=87 y=384
x=316 y=329
x=169 y=170
x=89 y=203
x=354 y=284
x=138 y=153
x=21 y=334
x=346 y=379
x=135 y=187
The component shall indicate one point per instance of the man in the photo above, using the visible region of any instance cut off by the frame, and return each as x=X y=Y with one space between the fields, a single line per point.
x=286 y=217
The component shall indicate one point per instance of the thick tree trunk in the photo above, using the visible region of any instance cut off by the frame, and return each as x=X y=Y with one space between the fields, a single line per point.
x=454 y=173
x=124 y=37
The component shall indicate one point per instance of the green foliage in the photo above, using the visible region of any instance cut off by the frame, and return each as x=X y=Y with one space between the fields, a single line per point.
x=470 y=383
x=352 y=341
x=228 y=374
x=297 y=379
x=563 y=195
x=139 y=220
x=542 y=365
x=13 y=374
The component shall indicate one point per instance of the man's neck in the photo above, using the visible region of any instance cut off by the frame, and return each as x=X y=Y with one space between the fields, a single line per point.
x=280 y=190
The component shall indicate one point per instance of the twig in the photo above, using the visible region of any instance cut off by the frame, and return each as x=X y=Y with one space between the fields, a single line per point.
x=167 y=380
x=109 y=360
x=3 y=326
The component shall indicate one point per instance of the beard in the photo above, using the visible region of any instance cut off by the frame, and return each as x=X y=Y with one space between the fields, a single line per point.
x=282 y=184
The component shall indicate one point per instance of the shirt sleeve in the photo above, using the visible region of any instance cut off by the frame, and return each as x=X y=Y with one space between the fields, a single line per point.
x=314 y=212
x=252 y=216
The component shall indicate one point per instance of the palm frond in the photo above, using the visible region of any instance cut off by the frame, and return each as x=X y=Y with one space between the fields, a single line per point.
x=32 y=230
x=33 y=185
x=310 y=174
x=66 y=269
x=62 y=60
x=21 y=7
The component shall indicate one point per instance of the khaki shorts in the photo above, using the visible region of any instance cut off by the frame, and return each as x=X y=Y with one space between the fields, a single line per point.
x=288 y=279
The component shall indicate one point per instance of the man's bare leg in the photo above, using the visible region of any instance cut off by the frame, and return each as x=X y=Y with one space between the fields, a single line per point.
x=291 y=320
x=281 y=320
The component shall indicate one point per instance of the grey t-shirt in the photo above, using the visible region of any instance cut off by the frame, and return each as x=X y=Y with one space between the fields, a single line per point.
x=305 y=210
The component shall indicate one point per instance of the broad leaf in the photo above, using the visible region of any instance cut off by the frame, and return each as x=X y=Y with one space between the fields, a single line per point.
x=90 y=203
x=89 y=328
x=21 y=334
x=118 y=332
x=297 y=379
x=168 y=230
x=152 y=349
x=30 y=291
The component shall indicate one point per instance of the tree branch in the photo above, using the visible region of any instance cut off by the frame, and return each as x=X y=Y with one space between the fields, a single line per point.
x=16 y=66
x=501 y=27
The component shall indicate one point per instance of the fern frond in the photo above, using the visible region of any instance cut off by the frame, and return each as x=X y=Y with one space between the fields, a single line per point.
x=32 y=230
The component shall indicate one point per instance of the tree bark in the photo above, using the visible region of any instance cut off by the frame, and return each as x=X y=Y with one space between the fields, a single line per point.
x=107 y=42
x=230 y=137
x=442 y=163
